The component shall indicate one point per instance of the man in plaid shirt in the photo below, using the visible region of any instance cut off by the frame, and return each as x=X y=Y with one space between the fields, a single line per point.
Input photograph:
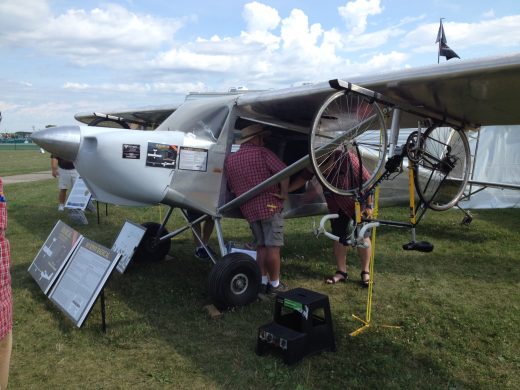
x=251 y=165
x=6 y=301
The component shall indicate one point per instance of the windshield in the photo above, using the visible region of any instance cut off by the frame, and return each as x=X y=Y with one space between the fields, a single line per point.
x=203 y=119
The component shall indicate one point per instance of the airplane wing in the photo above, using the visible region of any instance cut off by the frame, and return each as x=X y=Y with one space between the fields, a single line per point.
x=472 y=93
x=145 y=118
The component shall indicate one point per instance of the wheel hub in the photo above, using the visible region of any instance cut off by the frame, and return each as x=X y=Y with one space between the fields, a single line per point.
x=239 y=284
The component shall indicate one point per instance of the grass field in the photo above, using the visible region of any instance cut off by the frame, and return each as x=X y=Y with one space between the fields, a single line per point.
x=17 y=162
x=458 y=309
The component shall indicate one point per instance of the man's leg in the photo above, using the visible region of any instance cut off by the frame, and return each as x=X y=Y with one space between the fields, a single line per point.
x=6 y=345
x=273 y=262
x=207 y=230
x=261 y=259
x=62 y=196
x=364 y=255
x=340 y=256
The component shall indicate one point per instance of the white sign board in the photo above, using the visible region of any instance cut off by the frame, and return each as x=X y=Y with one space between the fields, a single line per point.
x=127 y=242
x=82 y=279
x=79 y=195
x=53 y=255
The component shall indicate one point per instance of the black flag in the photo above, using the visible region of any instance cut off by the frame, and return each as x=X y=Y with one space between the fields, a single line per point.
x=444 y=49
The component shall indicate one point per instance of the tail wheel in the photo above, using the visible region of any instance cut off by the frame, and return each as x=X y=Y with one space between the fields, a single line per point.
x=234 y=281
x=150 y=249
x=347 y=128
x=443 y=168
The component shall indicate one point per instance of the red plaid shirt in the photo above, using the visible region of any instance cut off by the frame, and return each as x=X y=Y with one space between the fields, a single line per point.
x=248 y=167
x=6 y=300
x=336 y=203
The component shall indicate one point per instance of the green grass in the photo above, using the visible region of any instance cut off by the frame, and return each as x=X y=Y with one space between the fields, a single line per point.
x=17 y=162
x=458 y=308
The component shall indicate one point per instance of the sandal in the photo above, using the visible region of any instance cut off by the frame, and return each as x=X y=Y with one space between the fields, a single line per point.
x=365 y=283
x=338 y=277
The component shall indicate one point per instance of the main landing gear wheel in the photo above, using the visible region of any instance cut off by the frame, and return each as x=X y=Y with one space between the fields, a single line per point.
x=347 y=127
x=234 y=281
x=150 y=249
x=443 y=168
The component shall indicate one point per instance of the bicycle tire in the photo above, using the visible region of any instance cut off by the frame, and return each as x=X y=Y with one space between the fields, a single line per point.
x=347 y=126
x=443 y=168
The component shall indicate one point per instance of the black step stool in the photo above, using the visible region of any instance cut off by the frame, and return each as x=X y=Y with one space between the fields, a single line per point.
x=302 y=325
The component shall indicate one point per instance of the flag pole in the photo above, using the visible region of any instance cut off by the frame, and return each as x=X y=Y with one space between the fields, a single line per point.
x=440 y=42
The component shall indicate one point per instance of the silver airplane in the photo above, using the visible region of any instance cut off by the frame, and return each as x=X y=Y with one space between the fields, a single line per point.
x=181 y=162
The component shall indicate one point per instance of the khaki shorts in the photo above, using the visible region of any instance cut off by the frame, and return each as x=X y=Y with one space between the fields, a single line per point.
x=268 y=232
x=66 y=178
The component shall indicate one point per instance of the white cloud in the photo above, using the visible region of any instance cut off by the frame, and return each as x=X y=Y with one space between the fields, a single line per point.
x=138 y=88
x=18 y=17
x=355 y=14
x=501 y=32
x=260 y=17
x=7 y=106
x=96 y=36
x=75 y=86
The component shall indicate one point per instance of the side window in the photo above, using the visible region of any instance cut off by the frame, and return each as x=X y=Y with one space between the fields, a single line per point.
x=209 y=126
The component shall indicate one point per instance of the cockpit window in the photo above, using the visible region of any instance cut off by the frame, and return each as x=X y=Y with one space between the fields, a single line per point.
x=204 y=121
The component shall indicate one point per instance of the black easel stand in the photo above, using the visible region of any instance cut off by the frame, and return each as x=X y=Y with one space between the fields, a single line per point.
x=97 y=210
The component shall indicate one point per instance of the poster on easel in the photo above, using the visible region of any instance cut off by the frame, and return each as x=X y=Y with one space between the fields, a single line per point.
x=127 y=242
x=53 y=255
x=79 y=196
x=82 y=280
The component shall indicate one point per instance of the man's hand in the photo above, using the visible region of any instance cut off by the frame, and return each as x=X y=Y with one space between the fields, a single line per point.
x=368 y=212
x=279 y=196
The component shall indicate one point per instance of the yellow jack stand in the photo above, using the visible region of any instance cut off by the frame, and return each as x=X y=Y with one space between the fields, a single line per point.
x=368 y=313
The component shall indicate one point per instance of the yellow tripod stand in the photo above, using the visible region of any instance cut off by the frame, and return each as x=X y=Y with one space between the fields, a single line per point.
x=368 y=312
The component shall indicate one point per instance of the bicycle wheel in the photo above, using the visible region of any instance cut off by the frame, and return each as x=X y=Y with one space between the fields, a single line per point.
x=443 y=169
x=347 y=143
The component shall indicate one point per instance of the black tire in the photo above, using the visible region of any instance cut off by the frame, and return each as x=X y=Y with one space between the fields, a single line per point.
x=443 y=168
x=347 y=126
x=234 y=281
x=149 y=250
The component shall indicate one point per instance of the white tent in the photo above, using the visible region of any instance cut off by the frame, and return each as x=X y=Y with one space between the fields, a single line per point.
x=497 y=160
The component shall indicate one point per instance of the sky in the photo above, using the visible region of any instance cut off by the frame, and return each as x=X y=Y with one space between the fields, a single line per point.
x=58 y=57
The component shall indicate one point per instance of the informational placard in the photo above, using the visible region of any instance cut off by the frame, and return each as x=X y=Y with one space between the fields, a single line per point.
x=161 y=155
x=82 y=279
x=79 y=195
x=53 y=255
x=193 y=159
x=132 y=151
x=127 y=242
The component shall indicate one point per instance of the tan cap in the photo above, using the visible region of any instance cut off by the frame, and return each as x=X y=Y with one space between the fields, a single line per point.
x=252 y=131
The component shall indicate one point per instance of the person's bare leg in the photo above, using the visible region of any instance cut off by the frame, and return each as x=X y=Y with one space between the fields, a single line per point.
x=207 y=229
x=261 y=256
x=62 y=196
x=6 y=345
x=364 y=255
x=340 y=256
x=273 y=262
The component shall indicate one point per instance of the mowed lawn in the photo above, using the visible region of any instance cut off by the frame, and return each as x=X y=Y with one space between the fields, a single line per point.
x=457 y=309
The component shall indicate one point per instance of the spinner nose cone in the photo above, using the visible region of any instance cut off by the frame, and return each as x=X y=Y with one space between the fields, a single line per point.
x=61 y=141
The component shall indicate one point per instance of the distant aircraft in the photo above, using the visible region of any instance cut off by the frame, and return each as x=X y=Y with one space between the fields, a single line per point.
x=180 y=164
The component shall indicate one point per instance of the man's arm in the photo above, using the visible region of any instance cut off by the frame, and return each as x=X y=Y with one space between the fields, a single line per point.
x=284 y=188
x=54 y=166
